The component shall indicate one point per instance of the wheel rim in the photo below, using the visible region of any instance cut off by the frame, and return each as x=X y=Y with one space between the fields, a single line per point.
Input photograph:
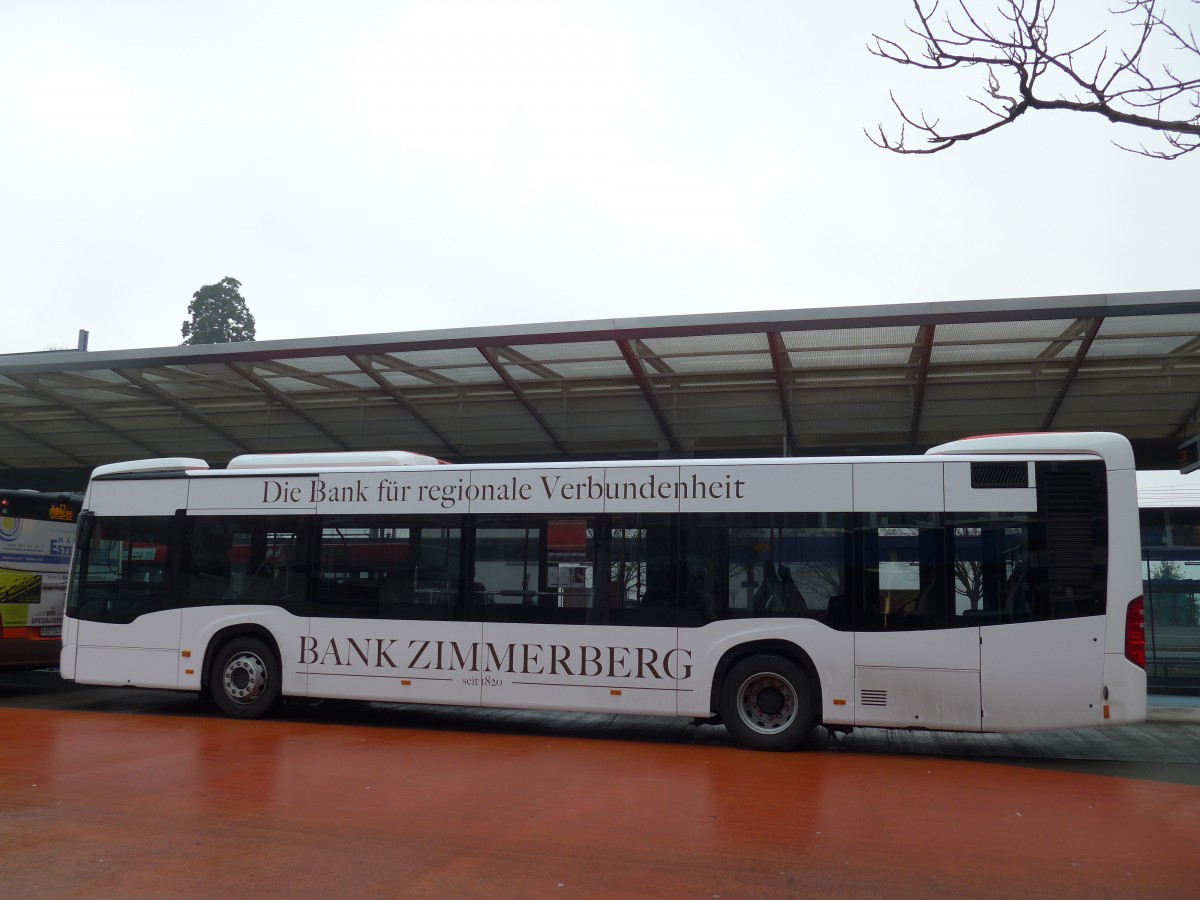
x=767 y=703
x=245 y=678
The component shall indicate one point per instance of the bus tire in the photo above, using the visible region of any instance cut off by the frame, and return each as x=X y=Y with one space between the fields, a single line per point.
x=766 y=703
x=244 y=679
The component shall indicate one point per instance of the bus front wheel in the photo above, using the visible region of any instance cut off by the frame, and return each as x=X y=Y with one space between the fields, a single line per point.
x=766 y=703
x=244 y=679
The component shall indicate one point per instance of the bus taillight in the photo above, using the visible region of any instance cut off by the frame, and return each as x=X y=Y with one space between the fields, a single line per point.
x=1135 y=633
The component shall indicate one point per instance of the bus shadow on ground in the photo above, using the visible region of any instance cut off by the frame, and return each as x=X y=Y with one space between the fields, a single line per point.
x=1153 y=751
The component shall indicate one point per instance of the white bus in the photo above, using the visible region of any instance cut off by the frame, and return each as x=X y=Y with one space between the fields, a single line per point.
x=990 y=585
x=37 y=531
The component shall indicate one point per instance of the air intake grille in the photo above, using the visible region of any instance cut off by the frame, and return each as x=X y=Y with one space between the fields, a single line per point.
x=999 y=474
x=1075 y=542
x=1069 y=530
x=872 y=698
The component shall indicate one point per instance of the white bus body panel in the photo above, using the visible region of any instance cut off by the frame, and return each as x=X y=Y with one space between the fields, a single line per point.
x=894 y=486
x=815 y=487
x=142 y=653
x=895 y=686
x=1042 y=675
x=396 y=660
x=70 y=640
x=455 y=662
x=1126 y=684
x=961 y=497
x=1124 y=681
x=1124 y=556
x=239 y=496
x=770 y=486
x=152 y=497
x=627 y=668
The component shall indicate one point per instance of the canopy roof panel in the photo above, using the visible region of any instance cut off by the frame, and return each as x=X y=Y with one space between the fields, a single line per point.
x=819 y=381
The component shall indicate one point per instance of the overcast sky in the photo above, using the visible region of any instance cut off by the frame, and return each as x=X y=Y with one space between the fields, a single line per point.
x=380 y=167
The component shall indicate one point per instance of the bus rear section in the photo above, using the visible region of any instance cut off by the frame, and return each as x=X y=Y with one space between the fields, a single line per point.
x=1084 y=636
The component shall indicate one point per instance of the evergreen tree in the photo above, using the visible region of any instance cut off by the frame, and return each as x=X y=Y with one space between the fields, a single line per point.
x=219 y=315
x=1168 y=570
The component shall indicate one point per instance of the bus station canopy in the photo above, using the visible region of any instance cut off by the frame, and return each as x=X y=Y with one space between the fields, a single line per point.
x=853 y=380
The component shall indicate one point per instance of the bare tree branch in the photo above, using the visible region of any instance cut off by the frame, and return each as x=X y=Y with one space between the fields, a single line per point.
x=1023 y=71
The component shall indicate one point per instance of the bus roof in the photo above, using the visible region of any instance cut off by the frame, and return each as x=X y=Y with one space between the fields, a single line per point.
x=363 y=459
x=1114 y=449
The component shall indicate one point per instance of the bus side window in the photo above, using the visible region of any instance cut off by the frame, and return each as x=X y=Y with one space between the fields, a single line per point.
x=246 y=560
x=209 y=562
x=903 y=561
x=705 y=547
x=535 y=569
x=991 y=556
x=776 y=566
x=127 y=569
x=645 y=573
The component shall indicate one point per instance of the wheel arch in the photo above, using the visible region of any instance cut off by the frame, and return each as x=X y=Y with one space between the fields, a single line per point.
x=774 y=646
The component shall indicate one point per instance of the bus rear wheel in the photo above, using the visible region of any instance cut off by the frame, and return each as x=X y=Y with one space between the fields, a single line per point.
x=244 y=679
x=766 y=703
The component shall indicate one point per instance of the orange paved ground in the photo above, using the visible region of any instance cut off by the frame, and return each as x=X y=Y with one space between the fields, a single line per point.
x=95 y=804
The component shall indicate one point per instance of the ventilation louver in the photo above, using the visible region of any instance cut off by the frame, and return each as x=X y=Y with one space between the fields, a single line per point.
x=1000 y=474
